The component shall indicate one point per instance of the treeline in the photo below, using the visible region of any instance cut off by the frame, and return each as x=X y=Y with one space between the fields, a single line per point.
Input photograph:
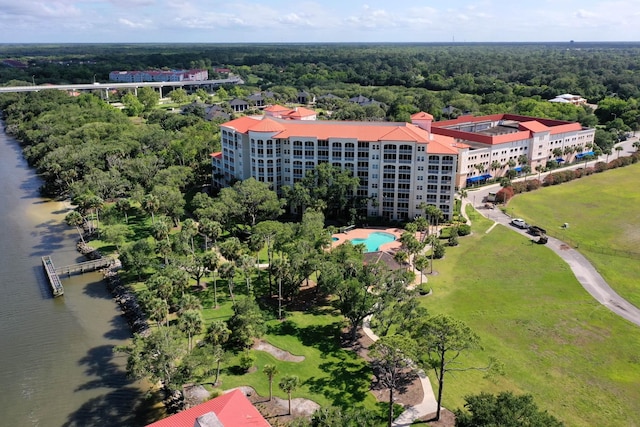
x=444 y=80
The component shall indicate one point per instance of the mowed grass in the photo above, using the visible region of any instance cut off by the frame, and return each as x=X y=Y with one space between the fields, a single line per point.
x=579 y=360
x=604 y=221
x=329 y=374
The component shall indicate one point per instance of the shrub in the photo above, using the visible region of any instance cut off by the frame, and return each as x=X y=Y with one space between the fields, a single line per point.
x=601 y=167
x=464 y=230
x=438 y=249
x=504 y=195
x=533 y=184
x=519 y=187
x=247 y=360
x=549 y=180
x=589 y=171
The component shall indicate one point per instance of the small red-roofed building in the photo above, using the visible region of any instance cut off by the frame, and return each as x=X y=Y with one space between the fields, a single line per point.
x=232 y=409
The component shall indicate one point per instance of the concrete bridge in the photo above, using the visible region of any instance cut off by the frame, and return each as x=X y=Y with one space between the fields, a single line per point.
x=210 y=84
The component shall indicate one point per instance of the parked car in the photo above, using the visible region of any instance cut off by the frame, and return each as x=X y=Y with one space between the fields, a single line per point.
x=518 y=222
x=534 y=230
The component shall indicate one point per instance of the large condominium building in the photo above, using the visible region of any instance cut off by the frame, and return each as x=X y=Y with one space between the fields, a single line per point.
x=400 y=165
x=492 y=142
x=158 y=76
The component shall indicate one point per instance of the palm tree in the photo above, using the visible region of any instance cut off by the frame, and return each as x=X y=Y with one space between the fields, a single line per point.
x=211 y=263
x=557 y=152
x=217 y=354
x=495 y=165
x=270 y=371
x=191 y=324
x=636 y=145
x=151 y=204
x=75 y=219
x=228 y=271
x=539 y=169
x=246 y=264
x=190 y=229
x=158 y=310
x=123 y=205
x=618 y=149
x=189 y=302
x=288 y=384
x=607 y=151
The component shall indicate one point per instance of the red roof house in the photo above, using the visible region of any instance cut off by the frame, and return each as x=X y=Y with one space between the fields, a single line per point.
x=232 y=409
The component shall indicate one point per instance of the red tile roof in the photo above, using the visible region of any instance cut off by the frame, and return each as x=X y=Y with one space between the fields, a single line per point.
x=533 y=126
x=421 y=116
x=233 y=409
x=358 y=131
x=300 y=112
x=267 y=125
x=277 y=109
x=217 y=154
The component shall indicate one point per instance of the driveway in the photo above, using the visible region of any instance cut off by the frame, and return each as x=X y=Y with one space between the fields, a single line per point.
x=586 y=274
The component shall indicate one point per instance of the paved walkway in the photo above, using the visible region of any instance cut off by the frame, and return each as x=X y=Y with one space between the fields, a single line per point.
x=586 y=274
x=429 y=405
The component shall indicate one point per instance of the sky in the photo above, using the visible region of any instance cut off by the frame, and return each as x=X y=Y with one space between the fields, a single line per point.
x=279 y=21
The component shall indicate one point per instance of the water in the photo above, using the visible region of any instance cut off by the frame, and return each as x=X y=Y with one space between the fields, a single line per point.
x=57 y=367
x=375 y=240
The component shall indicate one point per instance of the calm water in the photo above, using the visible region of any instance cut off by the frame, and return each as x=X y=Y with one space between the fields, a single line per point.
x=57 y=367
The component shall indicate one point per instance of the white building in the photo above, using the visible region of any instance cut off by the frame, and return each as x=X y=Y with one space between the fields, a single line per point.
x=158 y=76
x=400 y=165
x=488 y=141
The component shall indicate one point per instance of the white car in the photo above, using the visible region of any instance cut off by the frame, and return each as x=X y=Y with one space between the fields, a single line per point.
x=518 y=222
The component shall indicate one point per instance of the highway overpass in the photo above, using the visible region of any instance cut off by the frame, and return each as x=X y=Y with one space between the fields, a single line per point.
x=109 y=86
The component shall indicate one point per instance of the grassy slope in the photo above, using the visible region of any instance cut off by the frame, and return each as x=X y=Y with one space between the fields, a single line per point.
x=602 y=211
x=579 y=360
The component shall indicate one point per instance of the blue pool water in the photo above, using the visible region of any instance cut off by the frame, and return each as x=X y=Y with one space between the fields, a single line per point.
x=375 y=240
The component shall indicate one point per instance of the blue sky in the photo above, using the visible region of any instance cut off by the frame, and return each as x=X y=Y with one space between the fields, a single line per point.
x=209 y=21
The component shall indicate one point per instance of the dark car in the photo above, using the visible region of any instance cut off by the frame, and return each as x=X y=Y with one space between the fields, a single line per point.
x=534 y=230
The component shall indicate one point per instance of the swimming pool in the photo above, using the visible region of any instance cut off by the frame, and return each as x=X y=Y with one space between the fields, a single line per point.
x=375 y=240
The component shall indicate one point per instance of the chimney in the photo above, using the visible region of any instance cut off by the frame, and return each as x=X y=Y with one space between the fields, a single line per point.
x=210 y=419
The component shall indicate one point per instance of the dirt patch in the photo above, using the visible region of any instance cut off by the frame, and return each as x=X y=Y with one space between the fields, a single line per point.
x=275 y=411
x=447 y=419
x=276 y=352
x=564 y=247
x=411 y=395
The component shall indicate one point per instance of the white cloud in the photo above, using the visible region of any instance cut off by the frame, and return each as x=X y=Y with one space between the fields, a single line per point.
x=138 y=25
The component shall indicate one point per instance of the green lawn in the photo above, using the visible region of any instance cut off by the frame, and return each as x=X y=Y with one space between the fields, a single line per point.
x=604 y=222
x=330 y=375
x=579 y=360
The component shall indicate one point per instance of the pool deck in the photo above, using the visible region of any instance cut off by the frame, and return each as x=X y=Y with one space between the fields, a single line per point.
x=362 y=233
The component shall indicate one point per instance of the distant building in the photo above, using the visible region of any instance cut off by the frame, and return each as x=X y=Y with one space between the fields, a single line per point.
x=232 y=409
x=158 y=76
x=14 y=64
x=306 y=98
x=297 y=113
x=568 y=98
x=239 y=105
x=487 y=141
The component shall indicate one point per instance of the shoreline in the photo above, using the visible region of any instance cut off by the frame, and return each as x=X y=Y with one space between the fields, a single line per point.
x=127 y=301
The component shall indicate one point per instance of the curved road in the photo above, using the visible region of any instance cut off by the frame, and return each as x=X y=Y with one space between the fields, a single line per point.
x=586 y=274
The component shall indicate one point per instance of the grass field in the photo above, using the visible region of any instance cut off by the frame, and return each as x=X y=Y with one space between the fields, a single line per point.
x=579 y=360
x=604 y=222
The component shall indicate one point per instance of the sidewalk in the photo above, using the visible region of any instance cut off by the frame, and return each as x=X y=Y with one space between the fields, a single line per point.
x=429 y=405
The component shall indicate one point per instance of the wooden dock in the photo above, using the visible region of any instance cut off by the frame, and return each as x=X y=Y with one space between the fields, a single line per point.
x=53 y=272
x=54 y=280
x=81 y=267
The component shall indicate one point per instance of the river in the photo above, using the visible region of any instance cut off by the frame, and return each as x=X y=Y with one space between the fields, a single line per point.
x=57 y=367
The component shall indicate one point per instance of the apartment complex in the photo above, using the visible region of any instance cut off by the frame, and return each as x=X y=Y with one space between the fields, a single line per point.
x=400 y=165
x=498 y=143
x=158 y=76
